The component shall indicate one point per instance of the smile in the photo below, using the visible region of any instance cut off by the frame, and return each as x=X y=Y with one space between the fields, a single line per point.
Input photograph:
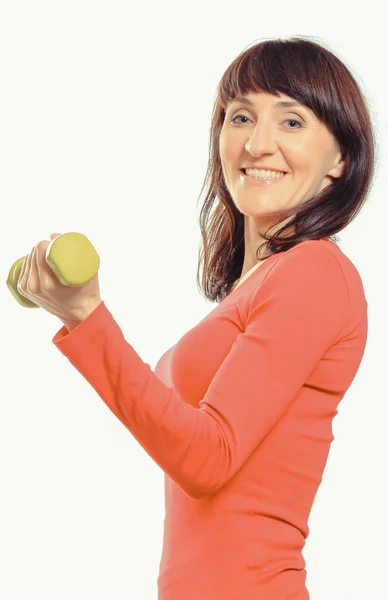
x=261 y=181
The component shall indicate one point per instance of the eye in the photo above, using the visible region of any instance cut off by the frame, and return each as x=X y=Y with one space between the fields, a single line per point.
x=287 y=120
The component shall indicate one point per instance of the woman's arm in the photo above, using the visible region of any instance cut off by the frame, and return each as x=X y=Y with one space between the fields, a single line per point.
x=297 y=313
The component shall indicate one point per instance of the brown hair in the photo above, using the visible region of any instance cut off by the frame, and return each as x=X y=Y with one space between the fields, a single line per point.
x=315 y=77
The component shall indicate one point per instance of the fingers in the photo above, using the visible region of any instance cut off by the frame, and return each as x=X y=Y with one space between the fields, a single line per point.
x=22 y=285
x=35 y=272
x=45 y=276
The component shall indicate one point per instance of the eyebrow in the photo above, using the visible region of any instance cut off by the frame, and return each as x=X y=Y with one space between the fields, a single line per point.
x=281 y=104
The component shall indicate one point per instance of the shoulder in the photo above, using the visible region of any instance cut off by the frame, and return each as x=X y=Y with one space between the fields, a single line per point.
x=307 y=274
x=306 y=286
x=320 y=260
x=320 y=266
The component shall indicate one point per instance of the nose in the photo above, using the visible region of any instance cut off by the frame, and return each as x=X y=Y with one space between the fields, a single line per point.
x=262 y=139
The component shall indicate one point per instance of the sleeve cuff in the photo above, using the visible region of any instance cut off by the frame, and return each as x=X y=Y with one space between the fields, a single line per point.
x=96 y=320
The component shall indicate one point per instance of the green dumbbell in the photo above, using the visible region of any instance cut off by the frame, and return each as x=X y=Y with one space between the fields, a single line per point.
x=71 y=257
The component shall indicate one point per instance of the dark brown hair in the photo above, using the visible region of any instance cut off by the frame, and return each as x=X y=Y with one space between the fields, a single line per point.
x=315 y=77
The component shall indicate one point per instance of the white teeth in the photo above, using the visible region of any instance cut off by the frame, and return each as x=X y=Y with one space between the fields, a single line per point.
x=262 y=174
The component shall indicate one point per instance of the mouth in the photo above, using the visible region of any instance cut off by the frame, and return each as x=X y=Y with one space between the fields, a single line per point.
x=261 y=181
x=244 y=172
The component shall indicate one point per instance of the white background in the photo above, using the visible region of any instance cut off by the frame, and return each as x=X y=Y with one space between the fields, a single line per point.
x=105 y=118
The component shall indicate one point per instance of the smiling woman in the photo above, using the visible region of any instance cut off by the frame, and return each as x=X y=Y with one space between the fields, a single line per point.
x=238 y=412
x=293 y=106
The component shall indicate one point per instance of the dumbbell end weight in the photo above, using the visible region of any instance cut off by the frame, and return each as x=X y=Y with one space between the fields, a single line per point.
x=71 y=257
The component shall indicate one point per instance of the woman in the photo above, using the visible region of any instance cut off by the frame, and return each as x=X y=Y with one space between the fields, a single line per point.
x=239 y=412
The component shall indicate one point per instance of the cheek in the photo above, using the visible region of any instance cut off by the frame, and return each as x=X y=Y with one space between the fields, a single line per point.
x=222 y=147
x=227 y=144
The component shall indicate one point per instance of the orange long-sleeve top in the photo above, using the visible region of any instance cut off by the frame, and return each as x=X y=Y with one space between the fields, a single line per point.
x=238 y=415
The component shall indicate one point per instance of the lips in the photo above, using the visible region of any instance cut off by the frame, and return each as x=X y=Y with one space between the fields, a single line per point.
x=245 y=171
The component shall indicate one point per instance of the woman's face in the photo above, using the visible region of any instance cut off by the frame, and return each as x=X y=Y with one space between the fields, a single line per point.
x=290 y=139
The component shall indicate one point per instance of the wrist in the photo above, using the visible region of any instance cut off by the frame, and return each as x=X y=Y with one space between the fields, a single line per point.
x=76 y=317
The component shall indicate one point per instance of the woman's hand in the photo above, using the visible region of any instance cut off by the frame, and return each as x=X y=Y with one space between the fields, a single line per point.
x=37 y=282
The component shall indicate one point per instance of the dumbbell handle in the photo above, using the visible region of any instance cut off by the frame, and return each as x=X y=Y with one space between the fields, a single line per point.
x=71 y=257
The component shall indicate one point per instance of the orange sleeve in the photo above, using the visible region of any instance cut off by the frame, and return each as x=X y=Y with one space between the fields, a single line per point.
x=296 y=314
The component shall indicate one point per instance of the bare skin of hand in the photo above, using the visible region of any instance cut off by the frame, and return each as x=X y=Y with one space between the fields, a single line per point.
x=37 y=282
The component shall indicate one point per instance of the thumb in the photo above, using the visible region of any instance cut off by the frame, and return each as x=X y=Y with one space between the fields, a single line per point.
x=54 y=235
